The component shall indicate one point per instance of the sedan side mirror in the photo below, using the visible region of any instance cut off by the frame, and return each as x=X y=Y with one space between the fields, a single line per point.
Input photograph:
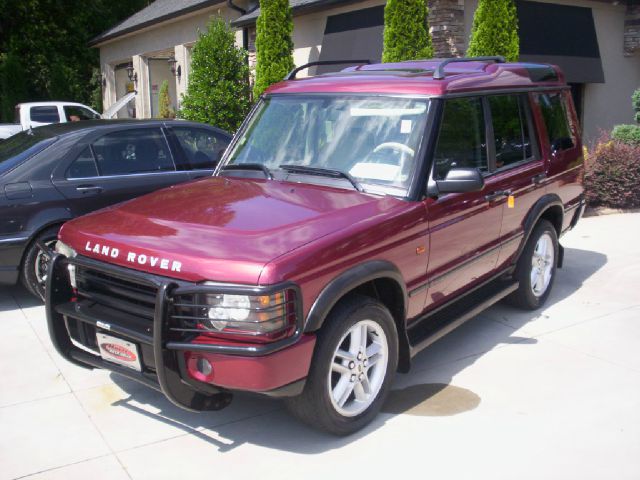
x=461 y=180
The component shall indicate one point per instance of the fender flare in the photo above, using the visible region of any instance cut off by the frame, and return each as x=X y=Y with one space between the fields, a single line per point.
x=346 y=282
x=546 y=202
x=44 y=220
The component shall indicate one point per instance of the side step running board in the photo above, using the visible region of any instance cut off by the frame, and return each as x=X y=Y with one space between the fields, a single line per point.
x=438 y=323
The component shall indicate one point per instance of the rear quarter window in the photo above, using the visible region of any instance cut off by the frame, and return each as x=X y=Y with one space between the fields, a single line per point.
x=48 y=114
x=21 y=147
x=556 y=120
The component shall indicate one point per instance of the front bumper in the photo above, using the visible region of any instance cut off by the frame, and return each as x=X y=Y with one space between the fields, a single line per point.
x=169 y=366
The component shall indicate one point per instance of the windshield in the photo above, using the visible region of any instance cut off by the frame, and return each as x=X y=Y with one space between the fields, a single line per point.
x=375 y=140
x=20 y=147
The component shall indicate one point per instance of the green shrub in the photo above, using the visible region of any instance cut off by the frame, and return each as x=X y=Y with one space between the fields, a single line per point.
x=274 y=46
x=495 y=30
x=164 y=101
x=218 y=90
x=612 y=175
x=635 y=101
x=627 y=134
x=406 y=34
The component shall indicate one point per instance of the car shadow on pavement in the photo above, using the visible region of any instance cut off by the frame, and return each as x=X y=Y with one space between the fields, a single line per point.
x=16 y=296
x=272 y=427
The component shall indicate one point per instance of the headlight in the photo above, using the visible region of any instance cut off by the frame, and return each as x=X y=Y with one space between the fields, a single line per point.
x=66 y=250
x=249 y=315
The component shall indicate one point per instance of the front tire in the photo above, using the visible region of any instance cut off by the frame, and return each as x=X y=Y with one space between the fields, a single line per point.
x=36 y=262
x=536 y=268
x=353 y=366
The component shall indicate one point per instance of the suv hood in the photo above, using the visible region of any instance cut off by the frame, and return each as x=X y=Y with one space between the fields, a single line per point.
x=219 y=229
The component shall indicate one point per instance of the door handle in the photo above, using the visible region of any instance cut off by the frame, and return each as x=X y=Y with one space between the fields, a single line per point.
x=538 y=179
x=497 y=195
x=85 y=189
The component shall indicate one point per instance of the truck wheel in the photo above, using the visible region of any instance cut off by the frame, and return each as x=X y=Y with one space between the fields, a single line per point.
x=353 y=366
x=536 y=268
x=36 y=262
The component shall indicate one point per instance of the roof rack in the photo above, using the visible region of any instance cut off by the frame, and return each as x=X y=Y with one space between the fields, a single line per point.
x=439 y=73
x=292 y=74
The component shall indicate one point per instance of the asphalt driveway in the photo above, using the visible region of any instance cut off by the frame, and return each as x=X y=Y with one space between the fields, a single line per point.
x=550 y=394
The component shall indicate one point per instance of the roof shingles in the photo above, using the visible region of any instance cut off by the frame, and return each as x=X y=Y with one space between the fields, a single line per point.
x=156 y=12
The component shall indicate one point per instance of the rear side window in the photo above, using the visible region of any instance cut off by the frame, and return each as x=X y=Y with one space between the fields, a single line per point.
x=140 y=150
x=75 y=113
x=462 y=140
x=48 y=114
x=510 y=129
x=84 y=166
x=555 y=117
x=203 y=148
x=18 y=148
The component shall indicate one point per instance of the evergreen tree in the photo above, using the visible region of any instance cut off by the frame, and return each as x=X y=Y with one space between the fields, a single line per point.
x=274 y=46
x=495 y=30
x=218 y=90
x=406 y=32
x=164 y=101
x=635 y=102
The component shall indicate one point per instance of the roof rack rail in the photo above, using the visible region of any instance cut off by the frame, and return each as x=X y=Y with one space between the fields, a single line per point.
x=439 y=73
x=292 y=74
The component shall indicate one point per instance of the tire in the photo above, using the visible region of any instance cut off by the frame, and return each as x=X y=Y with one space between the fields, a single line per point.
x=536 y=268
x=35 y=262
x=341 y=368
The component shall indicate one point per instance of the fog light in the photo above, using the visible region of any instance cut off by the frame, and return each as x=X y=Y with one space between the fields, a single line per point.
x=204 y=366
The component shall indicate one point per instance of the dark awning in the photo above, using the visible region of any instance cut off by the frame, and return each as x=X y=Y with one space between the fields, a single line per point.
x=353 y=36
x=562 y=35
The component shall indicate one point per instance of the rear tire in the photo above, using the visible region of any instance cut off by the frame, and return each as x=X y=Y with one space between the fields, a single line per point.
x=35 y=263
x=536 y=268
x=353 y=366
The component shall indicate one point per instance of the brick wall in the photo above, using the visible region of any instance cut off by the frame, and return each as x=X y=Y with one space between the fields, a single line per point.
x=446 y=21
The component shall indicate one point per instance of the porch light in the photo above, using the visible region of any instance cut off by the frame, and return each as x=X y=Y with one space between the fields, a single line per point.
x=133 y=76
x=175 y=69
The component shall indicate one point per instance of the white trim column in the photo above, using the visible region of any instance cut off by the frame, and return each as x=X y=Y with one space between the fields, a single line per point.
x=182 y=54
x=143 y=98
x=108 y=80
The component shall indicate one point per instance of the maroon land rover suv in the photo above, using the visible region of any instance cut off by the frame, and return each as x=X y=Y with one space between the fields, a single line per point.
x=355 y=218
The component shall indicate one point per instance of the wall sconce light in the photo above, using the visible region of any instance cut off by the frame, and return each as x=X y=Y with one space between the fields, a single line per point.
x=133 y=76
x=175 y=70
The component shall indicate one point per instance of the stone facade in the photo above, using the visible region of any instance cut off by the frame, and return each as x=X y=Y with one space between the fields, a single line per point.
x=632 y=29
x=446 y=22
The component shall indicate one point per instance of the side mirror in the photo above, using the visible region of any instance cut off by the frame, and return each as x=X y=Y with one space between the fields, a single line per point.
x=461 y=180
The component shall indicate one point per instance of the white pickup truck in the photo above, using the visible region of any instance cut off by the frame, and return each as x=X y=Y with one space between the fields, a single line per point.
x=35 y=114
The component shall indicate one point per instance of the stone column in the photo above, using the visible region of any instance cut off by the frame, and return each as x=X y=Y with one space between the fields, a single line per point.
x=182 y=55
x=632 y=29
x=446 y=22
x=143 y=98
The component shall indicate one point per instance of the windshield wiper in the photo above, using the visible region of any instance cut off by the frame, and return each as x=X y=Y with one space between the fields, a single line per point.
x=250 y=166
x=324 y=172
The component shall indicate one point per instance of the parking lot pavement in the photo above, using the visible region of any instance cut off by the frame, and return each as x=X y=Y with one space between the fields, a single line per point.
x=549 y=394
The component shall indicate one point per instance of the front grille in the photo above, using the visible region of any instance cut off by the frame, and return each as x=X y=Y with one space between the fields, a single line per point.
x=129 y=296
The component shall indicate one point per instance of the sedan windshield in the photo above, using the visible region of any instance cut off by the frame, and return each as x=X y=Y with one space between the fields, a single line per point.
x=20 y=147
x=374 y=140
